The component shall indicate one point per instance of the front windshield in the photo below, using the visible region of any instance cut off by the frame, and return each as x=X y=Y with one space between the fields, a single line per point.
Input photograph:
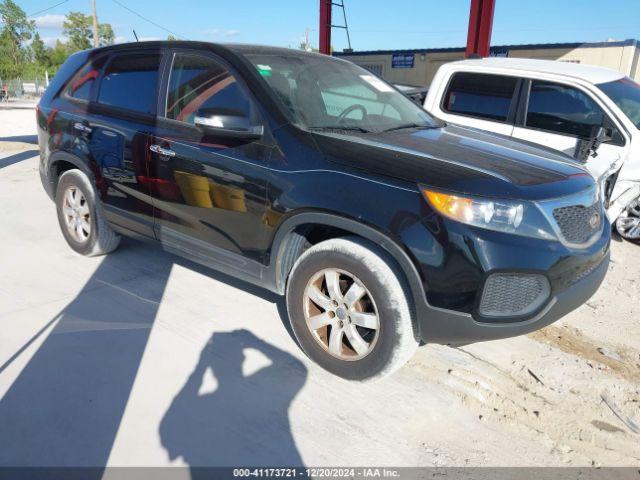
x=321 y=92
x=625 y=93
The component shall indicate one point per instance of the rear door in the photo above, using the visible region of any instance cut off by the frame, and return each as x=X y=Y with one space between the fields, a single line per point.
x=480 y=100
x=209 y=190
x=556 y=115
x=114 y=130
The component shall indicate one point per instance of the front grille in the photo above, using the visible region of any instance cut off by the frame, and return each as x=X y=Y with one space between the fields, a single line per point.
x=577 y=223
x=513 y=294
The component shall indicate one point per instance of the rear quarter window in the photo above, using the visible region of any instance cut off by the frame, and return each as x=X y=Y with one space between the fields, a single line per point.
x=82 y=83
x=130 y=82
x=480 y=95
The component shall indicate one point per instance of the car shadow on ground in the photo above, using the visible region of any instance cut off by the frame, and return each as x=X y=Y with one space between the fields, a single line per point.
x=17 y=158
x=66 y=405
x=33 y=139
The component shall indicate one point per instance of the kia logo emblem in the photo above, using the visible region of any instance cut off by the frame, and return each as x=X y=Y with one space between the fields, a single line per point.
x=594 y=221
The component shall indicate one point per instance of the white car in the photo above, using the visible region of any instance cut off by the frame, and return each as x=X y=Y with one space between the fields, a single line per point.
x=561 y=106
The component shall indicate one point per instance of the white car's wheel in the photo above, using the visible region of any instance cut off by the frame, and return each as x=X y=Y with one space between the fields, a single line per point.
x=349 y=309
x=628 y=223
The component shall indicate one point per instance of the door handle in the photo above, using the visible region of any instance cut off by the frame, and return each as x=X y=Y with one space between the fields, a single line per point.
x=82 y=127
x=162 y=151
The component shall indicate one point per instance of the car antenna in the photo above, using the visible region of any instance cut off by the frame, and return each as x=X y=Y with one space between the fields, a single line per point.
x=135 y=35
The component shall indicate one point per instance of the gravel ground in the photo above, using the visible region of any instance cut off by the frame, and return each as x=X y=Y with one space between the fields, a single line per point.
x=140 y=358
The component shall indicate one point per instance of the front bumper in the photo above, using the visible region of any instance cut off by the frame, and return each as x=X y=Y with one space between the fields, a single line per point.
x=439 y=325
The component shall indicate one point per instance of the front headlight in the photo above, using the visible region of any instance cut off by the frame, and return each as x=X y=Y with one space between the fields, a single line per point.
x=516 y=217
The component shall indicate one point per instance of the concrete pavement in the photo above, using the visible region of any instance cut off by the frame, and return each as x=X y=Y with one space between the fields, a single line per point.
x=140 y=358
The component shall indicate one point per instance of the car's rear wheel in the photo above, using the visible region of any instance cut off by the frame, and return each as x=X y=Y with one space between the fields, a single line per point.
x=80 y=216
x=628 y=223
x=349 y=309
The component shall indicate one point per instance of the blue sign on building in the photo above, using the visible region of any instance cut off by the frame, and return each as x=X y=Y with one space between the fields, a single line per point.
x=402 y=60
x=498 y=52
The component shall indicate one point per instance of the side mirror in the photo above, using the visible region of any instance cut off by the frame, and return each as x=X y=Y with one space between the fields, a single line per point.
x=588 y=146
x=222 y=122
x=601 y=134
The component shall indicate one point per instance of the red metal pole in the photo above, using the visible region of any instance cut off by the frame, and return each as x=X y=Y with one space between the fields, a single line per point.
x=325 y=27
x=480 y=25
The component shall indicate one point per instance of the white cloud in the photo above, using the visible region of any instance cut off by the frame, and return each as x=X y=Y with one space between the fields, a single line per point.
x=222 y=32
x=49 y=21
x=51 y=41
x=120 y=39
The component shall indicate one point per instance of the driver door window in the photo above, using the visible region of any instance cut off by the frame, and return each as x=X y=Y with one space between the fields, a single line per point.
x=200 y=83
x=562 y=109
x=558 y=115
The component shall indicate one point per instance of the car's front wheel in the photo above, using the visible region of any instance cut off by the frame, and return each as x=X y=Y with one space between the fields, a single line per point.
x=349 y=309
x=80 y=216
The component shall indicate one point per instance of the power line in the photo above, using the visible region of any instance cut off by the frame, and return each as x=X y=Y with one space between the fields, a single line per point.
x=147 y=20
x=47 y=9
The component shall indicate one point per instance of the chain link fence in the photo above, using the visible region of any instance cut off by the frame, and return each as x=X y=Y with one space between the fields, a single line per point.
x=21 y=88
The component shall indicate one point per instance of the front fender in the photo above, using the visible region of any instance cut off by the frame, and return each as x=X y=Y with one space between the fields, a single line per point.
x=353 y=226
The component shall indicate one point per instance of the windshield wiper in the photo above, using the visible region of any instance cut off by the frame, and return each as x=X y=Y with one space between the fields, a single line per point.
x=341 y=128
x=407 y=125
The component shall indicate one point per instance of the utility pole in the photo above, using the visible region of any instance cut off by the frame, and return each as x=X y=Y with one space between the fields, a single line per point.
x=96 y=38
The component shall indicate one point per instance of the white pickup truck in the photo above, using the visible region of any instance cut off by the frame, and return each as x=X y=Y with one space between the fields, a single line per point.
x=563 y=106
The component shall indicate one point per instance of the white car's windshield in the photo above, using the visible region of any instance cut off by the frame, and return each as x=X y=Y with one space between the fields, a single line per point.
x=625 y=93
x=321 y=92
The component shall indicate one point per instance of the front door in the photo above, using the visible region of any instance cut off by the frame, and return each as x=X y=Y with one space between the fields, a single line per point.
x=209 y=189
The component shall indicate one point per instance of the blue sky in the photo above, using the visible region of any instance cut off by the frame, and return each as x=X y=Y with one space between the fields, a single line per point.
x=374 y=24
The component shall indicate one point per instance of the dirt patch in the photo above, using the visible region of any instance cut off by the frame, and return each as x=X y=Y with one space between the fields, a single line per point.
x=621 y=360
x=545 y=394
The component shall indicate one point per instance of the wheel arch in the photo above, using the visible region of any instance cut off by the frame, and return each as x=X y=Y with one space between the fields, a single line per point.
x=60 y=162
x=288 y=245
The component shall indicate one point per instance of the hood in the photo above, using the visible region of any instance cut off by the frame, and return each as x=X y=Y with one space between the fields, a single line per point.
x=461 y=160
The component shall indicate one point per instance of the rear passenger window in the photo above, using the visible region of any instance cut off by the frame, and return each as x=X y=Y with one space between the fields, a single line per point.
x=479 y=95
x=562 y=109
x=131 y=82
x=80 y=87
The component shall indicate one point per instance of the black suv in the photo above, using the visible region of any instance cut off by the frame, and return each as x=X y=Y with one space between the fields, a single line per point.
x=315 y=179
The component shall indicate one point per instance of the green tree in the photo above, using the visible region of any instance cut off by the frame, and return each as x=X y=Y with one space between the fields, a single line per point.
x=40 y=51
x=77 y=28
x=105 y=34
x=171 y=38
x=16 y=29
x=59 y=54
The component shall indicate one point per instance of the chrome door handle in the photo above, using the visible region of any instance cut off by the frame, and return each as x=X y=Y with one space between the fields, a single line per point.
x=82 y=127
x=162 y=151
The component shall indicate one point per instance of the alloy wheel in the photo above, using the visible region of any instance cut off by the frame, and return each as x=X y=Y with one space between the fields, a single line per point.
x=628 y=223
x=77 y=215
x=341 y=314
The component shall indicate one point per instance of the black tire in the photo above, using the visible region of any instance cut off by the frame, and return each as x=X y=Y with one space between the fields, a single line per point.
x=627 y=223
x=101 y=239
x=396 y=340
